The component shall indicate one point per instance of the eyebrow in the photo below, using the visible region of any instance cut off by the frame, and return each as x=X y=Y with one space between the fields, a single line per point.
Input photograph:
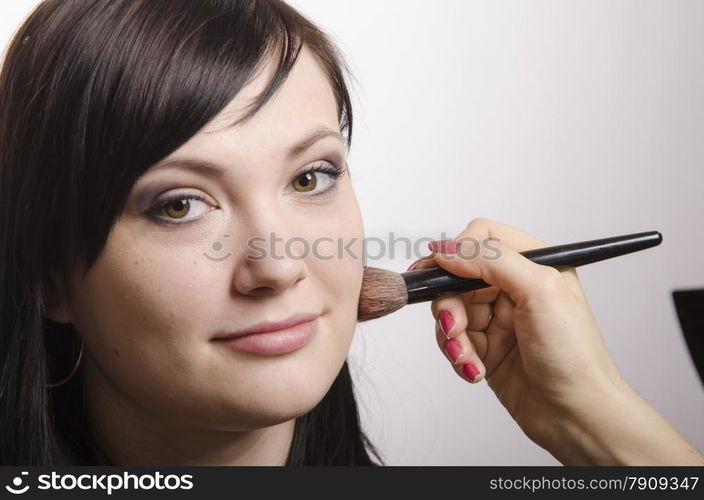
x=294 y=152
x=317 y=135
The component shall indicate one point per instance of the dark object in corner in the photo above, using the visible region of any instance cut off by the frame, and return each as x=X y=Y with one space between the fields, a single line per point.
x=690 y=310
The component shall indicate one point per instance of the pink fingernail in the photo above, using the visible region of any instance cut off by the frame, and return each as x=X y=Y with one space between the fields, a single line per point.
x=444 y=246
x=453 y=349
x=413 y=266
x=446 y=322
x=470 y=371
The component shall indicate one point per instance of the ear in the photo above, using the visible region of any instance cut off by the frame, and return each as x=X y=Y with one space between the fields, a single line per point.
x=56 y=304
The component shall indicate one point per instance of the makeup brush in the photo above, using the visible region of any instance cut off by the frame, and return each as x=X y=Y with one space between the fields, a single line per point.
x=384 y=291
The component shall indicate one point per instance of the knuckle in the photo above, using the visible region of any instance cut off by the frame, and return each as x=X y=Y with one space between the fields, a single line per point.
x=551 y=281
x=477 y=222
x=434 y=308
x=440 y=303
x=483 y=221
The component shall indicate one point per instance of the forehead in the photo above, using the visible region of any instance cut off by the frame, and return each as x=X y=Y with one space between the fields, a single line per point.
x=305 y=99
x=303 y=107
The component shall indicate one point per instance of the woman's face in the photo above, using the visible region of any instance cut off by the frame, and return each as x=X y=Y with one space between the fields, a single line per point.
x=173 y=278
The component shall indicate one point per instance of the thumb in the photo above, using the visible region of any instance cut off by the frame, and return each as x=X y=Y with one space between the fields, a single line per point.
x=522 y=279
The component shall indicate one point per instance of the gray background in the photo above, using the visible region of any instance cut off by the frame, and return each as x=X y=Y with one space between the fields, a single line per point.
x=571 y=120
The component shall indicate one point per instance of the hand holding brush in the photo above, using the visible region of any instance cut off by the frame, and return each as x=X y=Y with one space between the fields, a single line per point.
x=522 y=322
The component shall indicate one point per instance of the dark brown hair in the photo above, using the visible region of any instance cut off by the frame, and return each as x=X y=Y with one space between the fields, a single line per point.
x=92 y=93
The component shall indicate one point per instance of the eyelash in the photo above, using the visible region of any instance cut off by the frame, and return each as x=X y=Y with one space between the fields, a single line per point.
x=325 y=167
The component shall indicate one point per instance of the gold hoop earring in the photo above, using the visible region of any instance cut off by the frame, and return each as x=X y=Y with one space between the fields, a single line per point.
x=73 y=371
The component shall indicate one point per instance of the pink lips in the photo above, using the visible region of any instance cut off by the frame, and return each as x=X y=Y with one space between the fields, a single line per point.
x=273 y=337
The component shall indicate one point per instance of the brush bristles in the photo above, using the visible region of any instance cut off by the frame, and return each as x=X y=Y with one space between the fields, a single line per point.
x=383 y=292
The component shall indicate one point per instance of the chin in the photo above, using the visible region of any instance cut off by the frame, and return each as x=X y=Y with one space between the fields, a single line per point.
x=282 y=397
x=295 y=394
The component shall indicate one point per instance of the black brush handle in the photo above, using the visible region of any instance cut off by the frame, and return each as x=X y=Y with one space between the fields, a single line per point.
x=427 y=284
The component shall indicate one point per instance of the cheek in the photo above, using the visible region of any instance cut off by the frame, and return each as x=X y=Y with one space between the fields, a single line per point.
x=137 y=307
x=341 y=275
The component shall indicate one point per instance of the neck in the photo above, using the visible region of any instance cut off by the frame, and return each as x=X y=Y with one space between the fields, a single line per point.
x=129 y=435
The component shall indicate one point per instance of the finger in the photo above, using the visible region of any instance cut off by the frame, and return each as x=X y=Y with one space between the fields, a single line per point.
x=480 y=343
x=503 y=267
x=478 y=316
x=482 y=296
x=463 y=356
x=450 y=314
x=482 y=228
x=484 y=237
x=423 y=262
x=572 y=280
x=500 y=334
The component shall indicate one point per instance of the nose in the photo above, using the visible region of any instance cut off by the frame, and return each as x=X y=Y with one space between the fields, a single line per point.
x=270 y=265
